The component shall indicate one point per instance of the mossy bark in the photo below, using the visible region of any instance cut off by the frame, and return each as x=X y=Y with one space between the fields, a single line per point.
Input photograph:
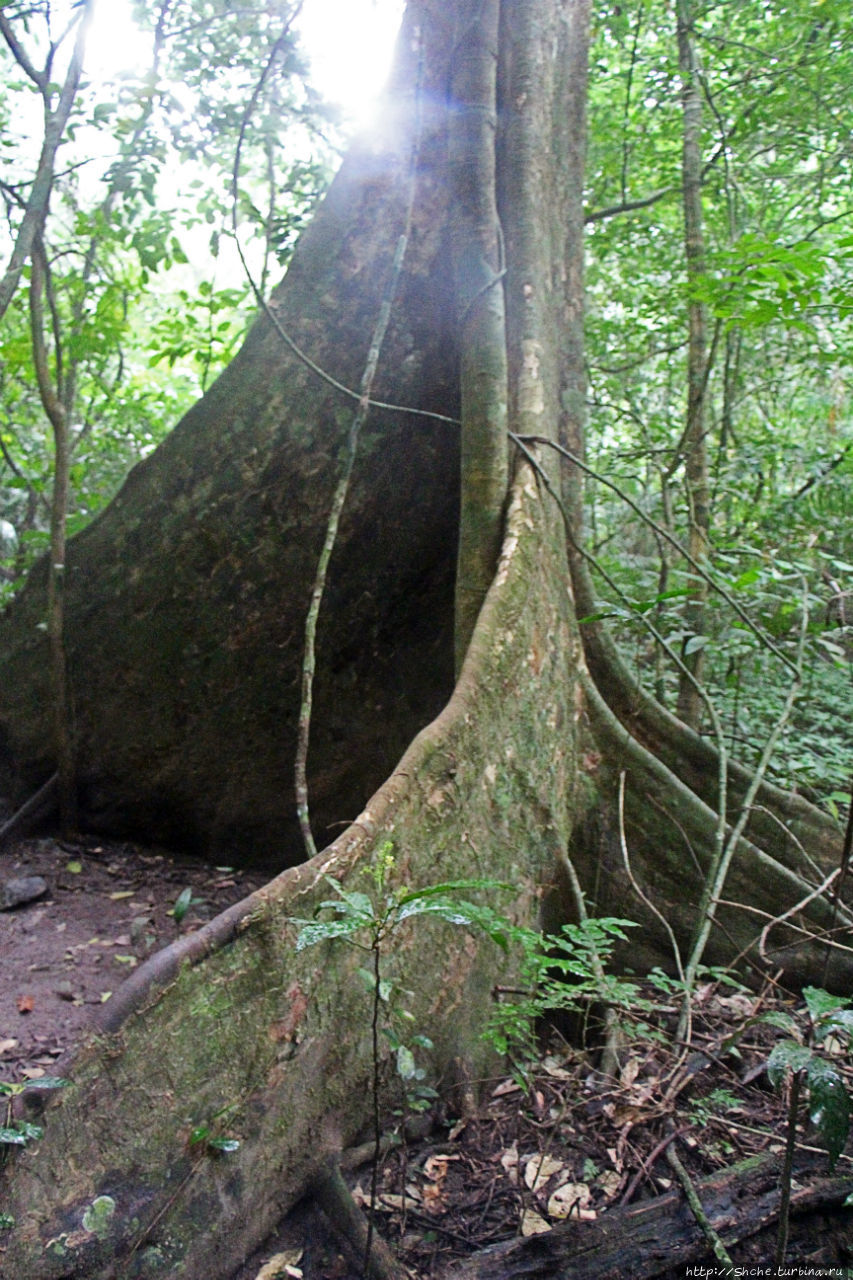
x=273 y=1047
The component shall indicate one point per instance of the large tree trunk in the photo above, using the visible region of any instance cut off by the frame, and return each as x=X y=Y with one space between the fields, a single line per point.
x=233 y=1029
x=185 y=601
x=185 y=609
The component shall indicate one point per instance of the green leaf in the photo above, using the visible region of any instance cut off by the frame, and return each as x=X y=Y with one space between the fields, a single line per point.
x=448 y=887
x=467 y=914
x=225 y=1145
x=12 y=1137
x=775 y=1018
x=840 y=1020
x=21 y=1134
x=821 y=1004
x=829 y=1106
x=47 y=1082
x=406 y=1067
x=182 y=905
x=787 y=1056
x=6 y=1222
x=323 y=931
x=30 y=1132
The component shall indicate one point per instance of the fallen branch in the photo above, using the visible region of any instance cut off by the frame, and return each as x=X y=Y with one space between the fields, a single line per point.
x=659 y=1235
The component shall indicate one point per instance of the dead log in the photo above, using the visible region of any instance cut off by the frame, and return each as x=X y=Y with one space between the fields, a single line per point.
x=660 y=1235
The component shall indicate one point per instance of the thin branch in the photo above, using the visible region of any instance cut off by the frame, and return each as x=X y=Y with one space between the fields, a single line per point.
x=20 y=55
x=627 y=206
x=703 y=1221
x=340 y=495
x=39 y=197
x=673 y=541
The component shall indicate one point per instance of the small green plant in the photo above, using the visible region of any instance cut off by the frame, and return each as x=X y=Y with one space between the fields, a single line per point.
x=807 y=1070
x=183 y=903
x=560 y=973
x=18 y=1133
x=369 y=921
x=209 y=1137
x=828 y=1100
x=222 y=1146
x=717 y=1102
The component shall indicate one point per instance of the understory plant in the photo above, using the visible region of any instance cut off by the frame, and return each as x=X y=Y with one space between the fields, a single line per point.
x=369 y=921
x=19 y=1133
x=806 y=1066
x=561 y=973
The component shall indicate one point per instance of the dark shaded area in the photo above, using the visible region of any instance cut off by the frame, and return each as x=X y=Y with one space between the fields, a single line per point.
x=186 y=598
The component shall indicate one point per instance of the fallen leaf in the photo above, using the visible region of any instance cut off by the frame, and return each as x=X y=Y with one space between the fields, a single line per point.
x=630 y=1071
x=508 y=1086
x=26 y=1004
x=532 y=1224
x=33 y=1073
x=610 y=1183
x=5 y=1045
x=456 y=1130
x=281 y=1264
x=555 y=1069
x=122 y=893
x=509 y=1163
x=411 y=1200
x=129 y=960
x=433 y=1198
x=540 y=1169
x=568 y=1200
x=436 y=1166
x=105 y=995
x=74 y=868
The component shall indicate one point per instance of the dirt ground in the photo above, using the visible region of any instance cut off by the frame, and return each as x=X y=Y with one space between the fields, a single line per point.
x=573 y=1143
x=106 y=907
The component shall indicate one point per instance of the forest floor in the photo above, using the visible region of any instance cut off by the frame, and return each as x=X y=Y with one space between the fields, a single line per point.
x=104 y=908
x=568 y=1142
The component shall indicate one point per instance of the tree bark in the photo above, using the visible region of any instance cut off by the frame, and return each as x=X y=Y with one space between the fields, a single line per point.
x=694 y=447
x=185 y=600
x=477 y=240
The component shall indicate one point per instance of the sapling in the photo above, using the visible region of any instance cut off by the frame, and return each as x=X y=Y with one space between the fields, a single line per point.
x=369 y=922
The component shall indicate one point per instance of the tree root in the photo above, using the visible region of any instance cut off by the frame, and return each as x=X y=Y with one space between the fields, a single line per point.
x=40 y=806
x=346 y=1219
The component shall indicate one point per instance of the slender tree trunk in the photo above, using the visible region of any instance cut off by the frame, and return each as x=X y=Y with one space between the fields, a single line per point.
x=478 y=254
x=694 y=442
x=55 y=122
x=63 y=730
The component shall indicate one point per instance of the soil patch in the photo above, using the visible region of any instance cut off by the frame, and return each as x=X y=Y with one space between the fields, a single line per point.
x=107 y=906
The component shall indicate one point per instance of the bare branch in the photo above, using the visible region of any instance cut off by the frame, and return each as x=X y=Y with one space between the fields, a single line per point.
x=39 y=198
